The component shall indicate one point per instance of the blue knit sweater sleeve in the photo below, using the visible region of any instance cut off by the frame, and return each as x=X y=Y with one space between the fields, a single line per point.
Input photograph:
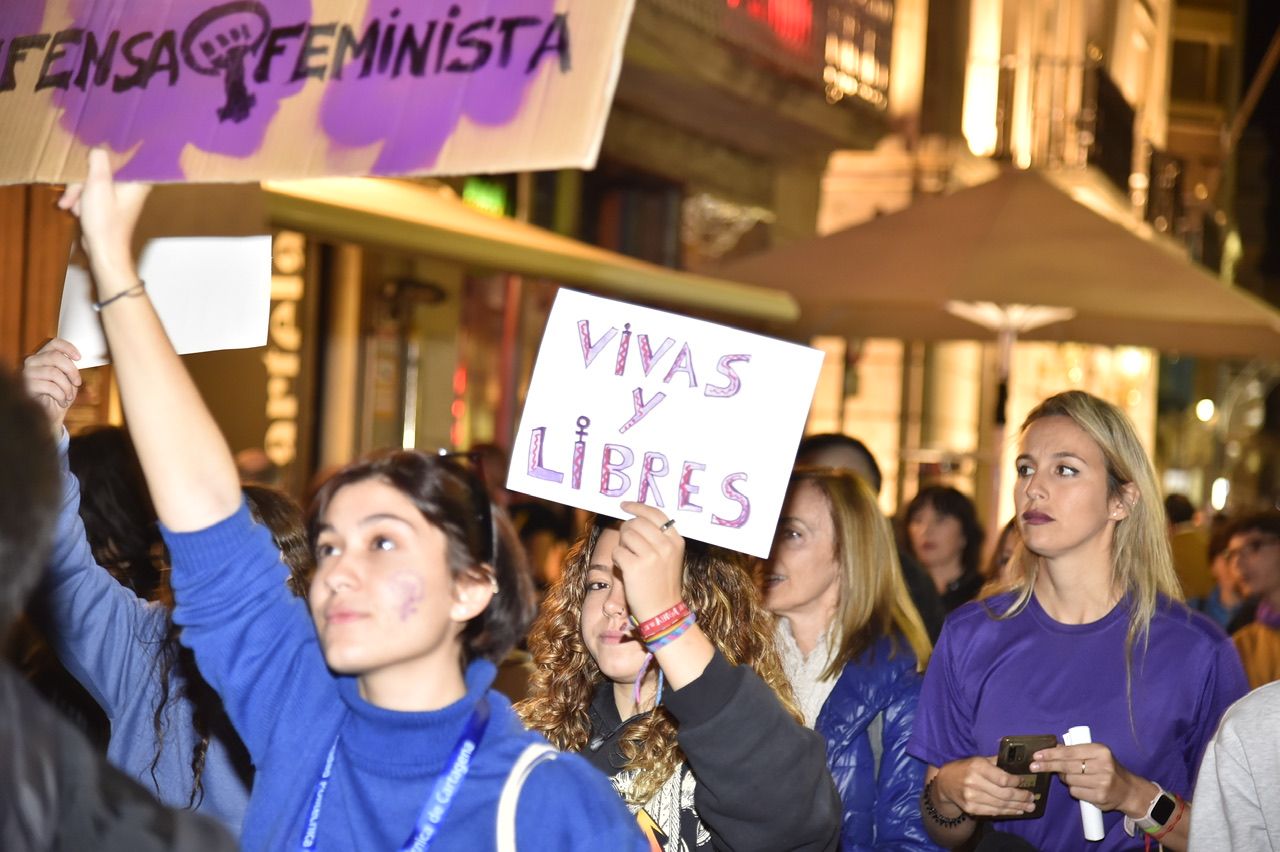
x=254 y=642
x=105 y=636
x=569 y=805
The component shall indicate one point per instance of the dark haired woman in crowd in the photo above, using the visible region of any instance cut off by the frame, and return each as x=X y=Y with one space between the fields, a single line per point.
x=946 y=538
x=116 y=509
x=370 y=720
x=654 y=659
x=853 y=647
x=1093 y=634
x=167 y=727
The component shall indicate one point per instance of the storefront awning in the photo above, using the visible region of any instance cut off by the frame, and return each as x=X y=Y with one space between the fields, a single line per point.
x=433 y=221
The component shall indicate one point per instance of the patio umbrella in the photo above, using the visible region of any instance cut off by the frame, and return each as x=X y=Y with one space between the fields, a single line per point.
x=1016 y=240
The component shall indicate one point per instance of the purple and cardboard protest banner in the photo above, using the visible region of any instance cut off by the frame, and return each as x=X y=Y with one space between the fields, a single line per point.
x=202 y=90
x=698 y=419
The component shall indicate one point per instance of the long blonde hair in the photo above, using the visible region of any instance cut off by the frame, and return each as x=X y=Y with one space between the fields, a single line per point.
x=1141 y=562
x=717 y=587
x=874 y=601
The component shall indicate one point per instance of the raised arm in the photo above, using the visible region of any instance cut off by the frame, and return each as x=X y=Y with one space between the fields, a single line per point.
x=101 y=631
x=189 y=468
x=254 y=642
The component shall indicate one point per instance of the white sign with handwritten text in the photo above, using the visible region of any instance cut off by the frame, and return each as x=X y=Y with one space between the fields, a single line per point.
x=632 y=403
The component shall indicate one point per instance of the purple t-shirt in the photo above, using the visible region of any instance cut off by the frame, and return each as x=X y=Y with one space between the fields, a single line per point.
x=1029 y=674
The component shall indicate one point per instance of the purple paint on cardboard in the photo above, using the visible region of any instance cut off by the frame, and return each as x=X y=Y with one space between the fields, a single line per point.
x=415 y=115
x=162 y=119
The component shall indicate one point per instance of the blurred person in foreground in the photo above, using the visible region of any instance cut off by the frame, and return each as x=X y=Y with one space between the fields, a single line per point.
x=56 y=792
x=1239 y=782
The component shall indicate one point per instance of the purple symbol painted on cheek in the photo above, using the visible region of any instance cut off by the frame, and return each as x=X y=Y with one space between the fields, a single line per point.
x=411 y=74
x=159 y=77
x=409 y=591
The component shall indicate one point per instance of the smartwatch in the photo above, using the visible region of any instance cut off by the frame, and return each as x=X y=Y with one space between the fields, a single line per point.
x=1159 y=812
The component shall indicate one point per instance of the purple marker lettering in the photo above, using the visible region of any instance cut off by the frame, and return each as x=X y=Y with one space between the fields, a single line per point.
x=727 y=489
x=623 y=346
x=687 y=488
x=579 y=451
x=642 y=408
x=536 y=470
x=653 y=466
x=683 y=364
x=724 y=369
x=609 y=468
x=647 y=358
x=591 y=350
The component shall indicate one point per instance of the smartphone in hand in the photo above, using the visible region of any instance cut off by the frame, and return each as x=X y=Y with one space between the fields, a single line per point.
x=1014 y=757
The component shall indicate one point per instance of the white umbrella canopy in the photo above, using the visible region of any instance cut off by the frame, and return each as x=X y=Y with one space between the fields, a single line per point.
x=1017 y=240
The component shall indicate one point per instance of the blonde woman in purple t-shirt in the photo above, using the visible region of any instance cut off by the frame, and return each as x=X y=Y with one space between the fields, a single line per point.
x=1093 y=634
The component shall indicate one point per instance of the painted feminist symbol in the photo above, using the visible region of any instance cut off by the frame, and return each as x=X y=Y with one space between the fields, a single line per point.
x=579 y=451
x=225 y=35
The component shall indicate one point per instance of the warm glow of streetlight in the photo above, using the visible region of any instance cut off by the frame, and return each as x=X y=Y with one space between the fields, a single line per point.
x=1218 y=494
x=1204 y=410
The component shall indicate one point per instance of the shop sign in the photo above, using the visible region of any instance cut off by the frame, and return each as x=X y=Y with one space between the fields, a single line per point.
x=200 y=90
x=697 y=419
x=283 y=358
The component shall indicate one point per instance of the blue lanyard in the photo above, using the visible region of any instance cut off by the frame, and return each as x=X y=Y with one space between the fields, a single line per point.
x=438 y=802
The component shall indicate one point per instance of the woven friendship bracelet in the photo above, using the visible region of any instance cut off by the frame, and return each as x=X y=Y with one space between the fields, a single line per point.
x=682 y=624
x=675 y=632
x=650 y=628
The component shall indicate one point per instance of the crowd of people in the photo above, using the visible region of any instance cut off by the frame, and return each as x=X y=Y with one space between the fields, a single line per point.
x=279 y=678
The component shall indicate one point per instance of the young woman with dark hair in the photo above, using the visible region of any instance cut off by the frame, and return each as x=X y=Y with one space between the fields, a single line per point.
x=946 y=538
x=168 y=729
x=370 y=721
x=655 y=660
x=116 y=509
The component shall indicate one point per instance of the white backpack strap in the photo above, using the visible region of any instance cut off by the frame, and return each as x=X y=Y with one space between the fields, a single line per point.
x=533 y=754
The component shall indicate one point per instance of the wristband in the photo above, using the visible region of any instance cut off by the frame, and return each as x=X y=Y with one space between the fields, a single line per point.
x=135 y=290
x=670 y=635
x=650 y=628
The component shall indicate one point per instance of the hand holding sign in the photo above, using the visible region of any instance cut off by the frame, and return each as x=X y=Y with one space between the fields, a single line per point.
x=107 y=212
x=695 y=419
x=651 y=560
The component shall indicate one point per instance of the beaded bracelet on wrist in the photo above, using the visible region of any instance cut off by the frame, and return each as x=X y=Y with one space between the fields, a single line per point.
x=926 y=800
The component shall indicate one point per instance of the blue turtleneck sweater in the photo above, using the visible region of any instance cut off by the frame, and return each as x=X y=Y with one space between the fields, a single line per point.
x=257 y=646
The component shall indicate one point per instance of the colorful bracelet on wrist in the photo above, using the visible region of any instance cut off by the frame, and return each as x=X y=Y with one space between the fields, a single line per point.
x=652 y=627
x=926 y=800
x=671 y=633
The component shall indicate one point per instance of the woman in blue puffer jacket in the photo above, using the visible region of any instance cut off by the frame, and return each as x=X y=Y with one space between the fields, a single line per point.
x=853 y=647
